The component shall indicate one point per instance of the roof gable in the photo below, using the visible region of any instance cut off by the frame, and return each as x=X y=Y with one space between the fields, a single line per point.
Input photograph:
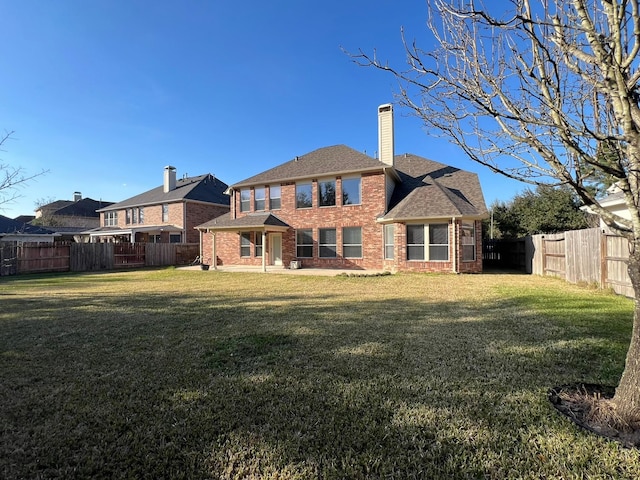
x=86 y=207
x=203 y=188
x=337 y=159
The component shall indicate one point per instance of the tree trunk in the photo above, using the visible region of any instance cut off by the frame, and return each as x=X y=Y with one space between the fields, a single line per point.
x=627 y=396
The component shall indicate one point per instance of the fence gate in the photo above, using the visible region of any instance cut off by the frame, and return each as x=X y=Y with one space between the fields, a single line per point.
x=8 y=258
x=554 y=257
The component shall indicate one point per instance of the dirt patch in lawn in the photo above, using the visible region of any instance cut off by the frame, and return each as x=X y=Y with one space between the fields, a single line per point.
x=589 y=406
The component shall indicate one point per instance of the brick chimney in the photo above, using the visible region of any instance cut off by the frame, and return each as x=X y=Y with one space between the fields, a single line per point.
x=169 y=178
x=385 y=134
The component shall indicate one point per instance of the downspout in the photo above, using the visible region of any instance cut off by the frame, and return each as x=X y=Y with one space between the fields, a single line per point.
x=455 y=245
x=201 y=240
x=214 y=259
x=184 y=223
x=264 y=250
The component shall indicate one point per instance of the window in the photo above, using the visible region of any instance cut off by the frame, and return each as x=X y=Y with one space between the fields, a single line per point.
x=327 y=242
x=351 y=191
x=274 y=197
x=388 y=242
x=304 y=243
x=327 y=193
x=303 y=195
x=415 y=242
x=245 y=200
x=110 y=219
x=258 y=199
x=140 y=215
x=165 y=212
x=352 y=242
x=127 y=216
x=438 y=247
x=245 y=244
x=258 y=242
x=468 y=234
x=155 y=238
x=439 y=242
x=175 y=238
x=134 y=215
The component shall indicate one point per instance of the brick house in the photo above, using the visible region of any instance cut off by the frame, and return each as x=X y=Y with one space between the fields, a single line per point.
x=165 y=214
x=338 y=208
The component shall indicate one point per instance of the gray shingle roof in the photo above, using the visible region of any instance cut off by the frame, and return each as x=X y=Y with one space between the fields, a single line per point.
x=203 y=188
x=431 y=189
x=253 y=220
x=86 y=207
x=334 y=160
x=9 y=225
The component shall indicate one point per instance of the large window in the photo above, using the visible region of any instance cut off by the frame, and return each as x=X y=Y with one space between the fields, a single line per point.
x=304 y=243
x=388 y=242
x=303 y=195
x=127 y=216
x=327 y=242
x=258 y=198
x=245 y=200
x=437 y=248
x=274 y=197
x=352 y=242
x=165 y=212
x=468 y=235
x=258 y=243
x=111 y=219
x=141 y=215
x=245 y=244
x=327 y=193
x=351 y=191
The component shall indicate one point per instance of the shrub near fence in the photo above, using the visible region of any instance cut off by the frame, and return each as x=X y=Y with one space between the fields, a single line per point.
x=85 y=257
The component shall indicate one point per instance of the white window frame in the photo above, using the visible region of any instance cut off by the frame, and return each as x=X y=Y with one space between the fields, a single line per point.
x=246 y=247
x=308 y=185
x=165 y=212
x=347 y=246
x=259 y=202
x=389 y=243
x=468 y=239
x=327 y=247
x=320 y=184
x=272 y=197
x=302 y=245
x=349 y=179
x=427 y=245
x=245 y=203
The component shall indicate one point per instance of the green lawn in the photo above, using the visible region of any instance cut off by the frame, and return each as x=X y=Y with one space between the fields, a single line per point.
x=192 y=374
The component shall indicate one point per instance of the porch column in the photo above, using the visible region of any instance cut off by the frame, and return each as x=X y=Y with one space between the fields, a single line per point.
x=133 y=236
x=264 y=251
x=214 y=260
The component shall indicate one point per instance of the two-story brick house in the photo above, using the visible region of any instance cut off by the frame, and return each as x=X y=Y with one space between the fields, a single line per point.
x=338 y=208
x=168 y=213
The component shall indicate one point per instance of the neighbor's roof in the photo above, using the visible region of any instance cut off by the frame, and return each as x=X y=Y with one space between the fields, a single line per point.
x=203 y=188
x=434 y=190
x=86 y=207
x=9 y=225
x=251 y=221
x=335 y=160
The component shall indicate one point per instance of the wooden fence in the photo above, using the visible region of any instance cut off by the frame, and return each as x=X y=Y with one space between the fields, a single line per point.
x=583 y=256
x=83 y=257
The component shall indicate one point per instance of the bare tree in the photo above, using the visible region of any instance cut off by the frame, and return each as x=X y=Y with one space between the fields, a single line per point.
x=11 y=178
x=546 y=92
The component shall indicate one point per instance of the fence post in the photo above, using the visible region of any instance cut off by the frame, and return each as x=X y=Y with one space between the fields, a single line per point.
x=544 y=256
x=603 y=260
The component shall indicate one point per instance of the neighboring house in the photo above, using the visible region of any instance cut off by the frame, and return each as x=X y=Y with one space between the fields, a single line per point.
x=15 y=231
x=614 y=202
x=338 y=208
x=81 y=213
x=166 y=214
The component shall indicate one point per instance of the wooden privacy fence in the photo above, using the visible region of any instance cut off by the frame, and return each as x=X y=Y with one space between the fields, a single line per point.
x=583 y=256
x=83 y=257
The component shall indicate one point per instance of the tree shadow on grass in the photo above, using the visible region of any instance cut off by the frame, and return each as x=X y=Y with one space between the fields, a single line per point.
x=306 y=386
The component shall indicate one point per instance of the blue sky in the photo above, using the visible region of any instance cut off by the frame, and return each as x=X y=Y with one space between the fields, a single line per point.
x=103 y=94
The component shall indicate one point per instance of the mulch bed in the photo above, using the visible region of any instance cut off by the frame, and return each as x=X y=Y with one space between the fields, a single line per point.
x=575 y=401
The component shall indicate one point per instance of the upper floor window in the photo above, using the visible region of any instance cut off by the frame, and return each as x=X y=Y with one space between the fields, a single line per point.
x=245 y=200
x=351 y=191
x=327 y=193
x=303 y=195
x=111 y=218
x=141 y=215
x=258 y=199
x=274 y=197
x=134 y=215
x=165 y=212
x=468 y=235
x=127 y=216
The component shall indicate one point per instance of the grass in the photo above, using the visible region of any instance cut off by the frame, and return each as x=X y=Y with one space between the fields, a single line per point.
x=191 y=374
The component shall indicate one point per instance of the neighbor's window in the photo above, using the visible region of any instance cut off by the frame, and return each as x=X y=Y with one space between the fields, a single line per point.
x=438 y=242
x=327 y=193
x=274 y=197
x=134 y=215
x=351 y=191
x=141 y=215
x=258 y=199
x=245 y=200
x=258 y=244
x=111 y=219
x=245 y=244
x=175 y=238
x=468 y=234
x=304 y=243
x=303 y=195
x=127 y=216
x=388 y=241
x=155 y=238
x=165 y=212
x=352 y=242
x=327 y=242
